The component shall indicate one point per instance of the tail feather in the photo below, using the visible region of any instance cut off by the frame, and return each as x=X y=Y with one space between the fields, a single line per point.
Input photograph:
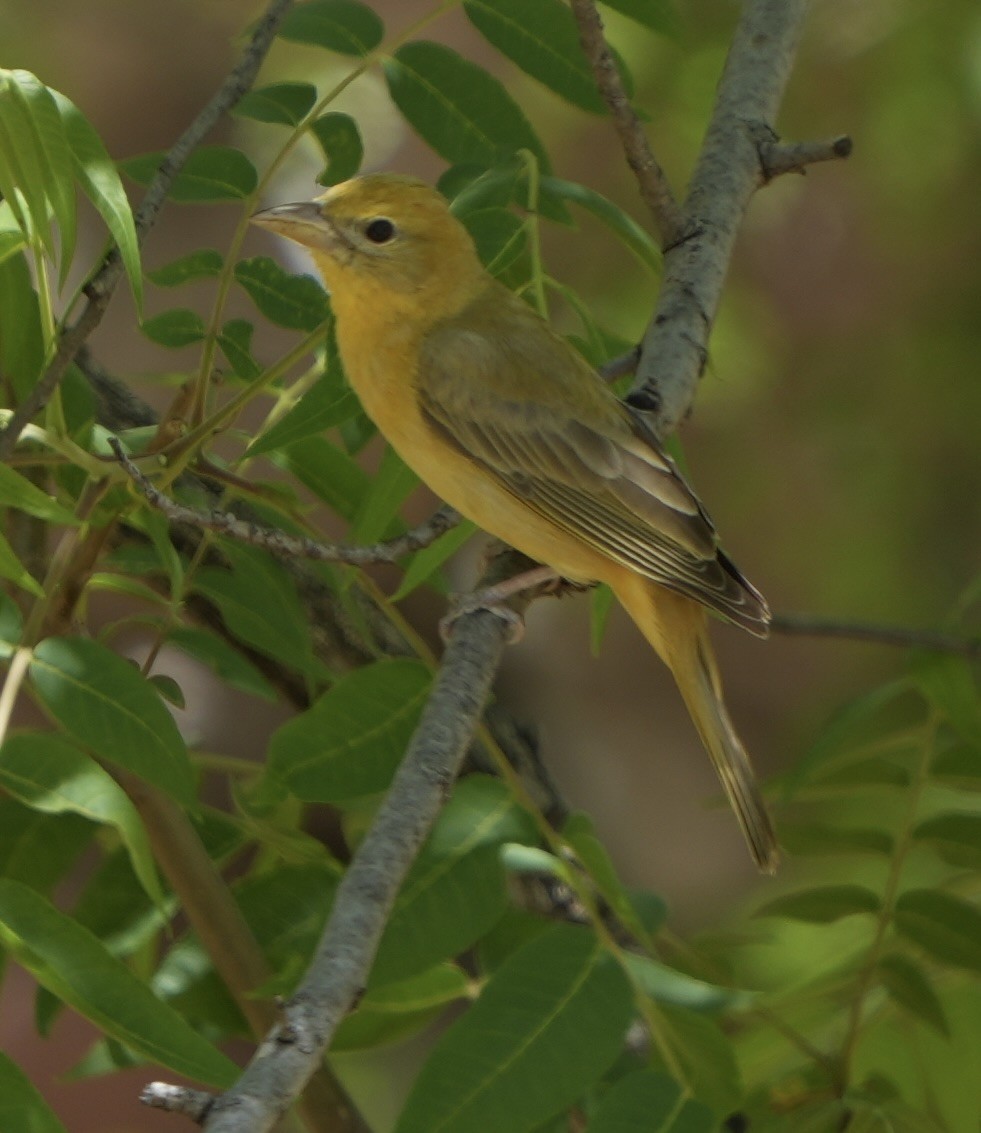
x=676 y=627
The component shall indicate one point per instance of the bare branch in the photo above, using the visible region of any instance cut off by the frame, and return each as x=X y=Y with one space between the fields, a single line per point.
x=727 y=174
x=669 y=222
x=777 y=158
x=289 y=546
x=99 y=289
x=339 y=970
x=194 y=1104
x=903 y=637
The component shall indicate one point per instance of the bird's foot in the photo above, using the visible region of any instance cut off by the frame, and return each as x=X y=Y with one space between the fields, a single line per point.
x=494 y=599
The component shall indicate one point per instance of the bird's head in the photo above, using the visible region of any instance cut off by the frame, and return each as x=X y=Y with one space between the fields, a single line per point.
x=382 y=235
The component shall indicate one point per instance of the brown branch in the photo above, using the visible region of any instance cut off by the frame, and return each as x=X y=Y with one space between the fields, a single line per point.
x=726 y=175
x=290 y=546
x=339 y=970
x=777 y=158
x=903 y=637
x=99 y=289
x=669 y=222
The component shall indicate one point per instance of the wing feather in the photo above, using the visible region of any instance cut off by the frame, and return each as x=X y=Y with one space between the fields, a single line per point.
x=589 y=465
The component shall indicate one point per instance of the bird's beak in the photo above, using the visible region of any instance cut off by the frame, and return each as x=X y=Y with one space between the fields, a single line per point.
x=304 y=223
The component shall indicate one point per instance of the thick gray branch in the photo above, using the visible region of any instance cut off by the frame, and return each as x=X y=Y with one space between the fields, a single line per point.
x=728 y=172
x=339 y=971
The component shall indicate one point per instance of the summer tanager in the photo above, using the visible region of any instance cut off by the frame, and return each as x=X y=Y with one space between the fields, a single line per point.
x=506 y=422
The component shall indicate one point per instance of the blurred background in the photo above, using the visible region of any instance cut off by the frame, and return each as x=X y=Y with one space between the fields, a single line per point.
x=835 y=438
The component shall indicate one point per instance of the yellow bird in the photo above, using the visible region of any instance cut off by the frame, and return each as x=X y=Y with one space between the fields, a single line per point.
x=508 y=424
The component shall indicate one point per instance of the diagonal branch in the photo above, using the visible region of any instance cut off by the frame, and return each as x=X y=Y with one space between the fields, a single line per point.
x=99 y=289
x=903 y=637
x=654 y=188
x=727 y=174
x=340 y=968
x=279 y=542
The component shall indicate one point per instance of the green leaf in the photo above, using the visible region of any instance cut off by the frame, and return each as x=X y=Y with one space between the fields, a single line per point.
x=99 y=180
x=657 y=15
x=947 y=928
x=22 y=166
x=637 y=239
x=205 y=263
x=873 y=772
x=259 y=604
x=650 y=1101
x=425 y=563
x=344 y=26
x=329 y=473
x=349 y=742
x=455 y=891
x=285 y=104
x=50 y=775
x=955 y=835
x=948 y=683
x=387 y=491
x=21 y=337
x=105 y=704
x=340 y=139
x=550 y=1021
x=823 y=904
x=11 y=626
x=706 y=1056
x=37 y=848
x=43 y=146
x=221 y=658
x=593 y=855
x=817 y=840
x=71 y=963
x=543 y=40
x=908 y=986
x=294 y=301
x=668 y=985
x=391 y=1013
x=329 y=402
x=464 y=113
x=21 y=1106
x=235 y=341
x=500 y=237
x=14 y=570
x=211 y=173
x=178 y=327
x=959 y=766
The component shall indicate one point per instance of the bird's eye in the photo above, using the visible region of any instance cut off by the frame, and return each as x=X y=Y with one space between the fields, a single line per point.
x=380 y=230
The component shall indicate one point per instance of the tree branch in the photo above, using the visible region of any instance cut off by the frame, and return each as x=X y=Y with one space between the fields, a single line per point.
x=654 y=188
x=903 y=637
x=99 y=289
x=339 y=971
x=278 y=542
x=728 y=172
x=777 y=158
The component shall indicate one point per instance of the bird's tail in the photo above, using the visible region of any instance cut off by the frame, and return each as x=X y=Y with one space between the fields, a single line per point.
x=676 y=627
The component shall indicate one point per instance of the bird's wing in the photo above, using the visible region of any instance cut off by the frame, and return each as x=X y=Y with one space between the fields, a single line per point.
x=580 y=458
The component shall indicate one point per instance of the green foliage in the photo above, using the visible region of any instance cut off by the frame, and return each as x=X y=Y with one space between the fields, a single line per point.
x=802 y=1017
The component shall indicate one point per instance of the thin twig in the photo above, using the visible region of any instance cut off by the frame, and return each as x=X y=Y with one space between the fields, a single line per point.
x=654 y=188
x=339 y=971
x=290 y=546
x=675 y=345
x=777 y=158
x=99 y=289
x=904 y=637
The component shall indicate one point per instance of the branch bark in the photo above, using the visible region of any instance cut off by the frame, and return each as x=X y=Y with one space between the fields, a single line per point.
x=339 y=971
x=728 y=172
